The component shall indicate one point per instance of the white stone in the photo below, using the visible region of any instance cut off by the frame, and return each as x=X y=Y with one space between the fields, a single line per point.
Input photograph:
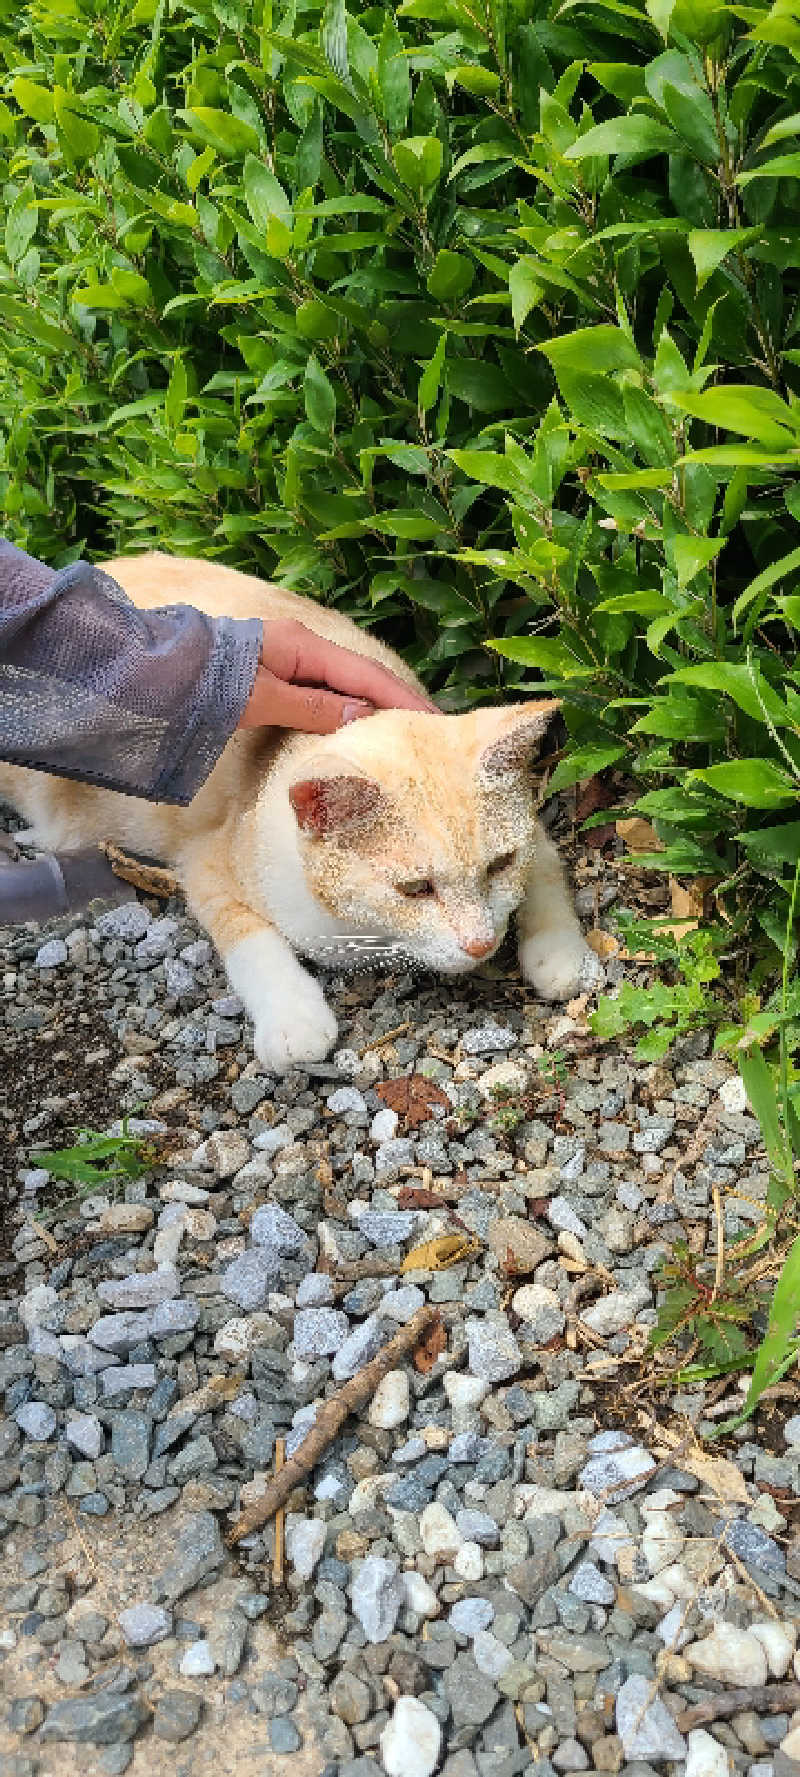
x=617 y=1310
x=420 y=1595
x=236 y=1339
x=531 y=1298
x=144 y=1624
x=198 y=1661
x=179 y=1190
x=732 y=1655
x=167 y=1242
x=390 y=1403
x=791 y=1744
x=440 y=1534
x=491 y=1656
x=383 y=1126
x=733 y=1095
x=791 y=1430
x=305 y=1541
x=224 y=1153
x=706 y=1756
x=464 y=1393
x=468 y=1563
x=36 y=1306
x=777 y=1640
x=657 y=1592
x=411 y=1741
x=662 y=1541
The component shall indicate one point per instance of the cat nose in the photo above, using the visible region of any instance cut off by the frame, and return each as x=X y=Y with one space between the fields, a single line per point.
x=477 y=947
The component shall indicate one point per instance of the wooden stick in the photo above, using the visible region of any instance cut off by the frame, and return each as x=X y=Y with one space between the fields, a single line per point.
x=280 y=1520
x=769 y=1699
x=388 y=1037
x=150 y=878
x=331 y=1418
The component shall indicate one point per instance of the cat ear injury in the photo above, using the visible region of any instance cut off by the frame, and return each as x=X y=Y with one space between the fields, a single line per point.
x=513 y=750
x=329 y=804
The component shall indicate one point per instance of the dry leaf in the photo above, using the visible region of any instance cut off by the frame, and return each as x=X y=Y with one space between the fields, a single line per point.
x=443 y=1250
x=591 y=796
x=419 y=1197
x=602 y=943
x=722 y=1477
x=412 y=1097
x=430 y=1348
x=638 y=834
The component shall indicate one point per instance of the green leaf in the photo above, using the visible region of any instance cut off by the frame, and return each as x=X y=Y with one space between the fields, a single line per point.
x=753 y=410
x=625 y=135
x=549 y=656
x=525 y=290
x=474 y=79
x=21 y=223
x=394 y=78
x=592 y=349
x=785 y=166
x=418 y=160
x=763 y=581
x=584 y=762
x=34 y=100
x=452 y=276
x=709 y=246
x=755 y=782
x=431 y=377
x=692 y=554
x=82 y=137
x=482 y=385
x=779 y=1346
x=776 y=845
x=229 y=135
x=320 y=400
x=748 y=689
x=175 y=399
x=692 y=116
x=413 y=525
x=269 y=207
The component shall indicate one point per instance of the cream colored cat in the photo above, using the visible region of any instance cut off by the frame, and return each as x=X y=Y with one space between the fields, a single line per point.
x=405 y=828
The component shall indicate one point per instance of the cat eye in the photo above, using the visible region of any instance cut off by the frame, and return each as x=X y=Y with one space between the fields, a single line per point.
x=502 y=863
x=416 y=890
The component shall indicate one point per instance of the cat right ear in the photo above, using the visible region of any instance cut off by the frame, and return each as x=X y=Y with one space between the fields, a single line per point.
x=325 y=805
x=518 y=742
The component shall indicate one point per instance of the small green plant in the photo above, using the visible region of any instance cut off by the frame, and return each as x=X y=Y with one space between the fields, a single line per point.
x=98 y=1161
x=719 y=1303
x=666 y=1009
x=553 y=1069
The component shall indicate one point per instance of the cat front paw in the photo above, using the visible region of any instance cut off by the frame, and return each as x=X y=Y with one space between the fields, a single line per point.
x=560 y=967
x=288 y=1034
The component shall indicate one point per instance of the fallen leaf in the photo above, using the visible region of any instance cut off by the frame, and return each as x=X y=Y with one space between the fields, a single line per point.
x=604 y=944
x=419 y=1197
x=412 y=1097
x=638 y=834
x=430 y=1348
x=443 y=1250
x=592 y=795
x=722 y=1477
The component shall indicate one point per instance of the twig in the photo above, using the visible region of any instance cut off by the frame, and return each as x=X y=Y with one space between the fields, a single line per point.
x=769 y=1699
x=719 y=1273
x=150 y=878
x=280 y=1520
x=387 y=1037
x=332 y=1416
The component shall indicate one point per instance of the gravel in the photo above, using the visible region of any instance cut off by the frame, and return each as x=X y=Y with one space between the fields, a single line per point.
x=487 y=1572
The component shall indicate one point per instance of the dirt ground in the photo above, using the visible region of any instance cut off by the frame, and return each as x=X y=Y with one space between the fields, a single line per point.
x=110 y=1563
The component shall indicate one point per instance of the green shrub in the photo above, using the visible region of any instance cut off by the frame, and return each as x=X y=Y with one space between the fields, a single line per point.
x=479 y=319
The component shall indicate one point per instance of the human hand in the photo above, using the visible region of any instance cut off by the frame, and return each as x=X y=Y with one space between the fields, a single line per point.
x=304 y=682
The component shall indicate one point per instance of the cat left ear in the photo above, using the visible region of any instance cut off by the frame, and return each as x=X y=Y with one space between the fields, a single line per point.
x=513 y=751
x=334 y=804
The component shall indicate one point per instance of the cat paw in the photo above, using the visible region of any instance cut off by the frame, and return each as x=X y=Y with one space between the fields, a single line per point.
x=288 y=1035
x=560 y=968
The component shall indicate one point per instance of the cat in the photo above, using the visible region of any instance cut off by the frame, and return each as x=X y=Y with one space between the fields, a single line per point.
x=406 y=833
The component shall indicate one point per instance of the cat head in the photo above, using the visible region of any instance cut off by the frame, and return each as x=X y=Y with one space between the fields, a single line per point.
x=419 y=829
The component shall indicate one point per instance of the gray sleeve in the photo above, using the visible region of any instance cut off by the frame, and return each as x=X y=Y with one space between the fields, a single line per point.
x=93 y=688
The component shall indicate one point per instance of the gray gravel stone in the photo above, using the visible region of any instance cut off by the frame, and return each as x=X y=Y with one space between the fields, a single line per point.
x=143 y=1289
x=471 y=1614
x=36 y=1420
x=177 y=1715
x=198 y=1551
x=318 y=1332
x=248 y=1279
x=494 y=1354
x=100 y=1719
x=362 y=1344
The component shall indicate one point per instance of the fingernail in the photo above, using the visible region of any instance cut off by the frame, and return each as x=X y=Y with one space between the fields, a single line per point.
x=352 y=712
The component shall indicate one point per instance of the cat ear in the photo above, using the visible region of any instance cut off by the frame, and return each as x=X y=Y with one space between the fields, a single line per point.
x=333 y=804
x=512 y=750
